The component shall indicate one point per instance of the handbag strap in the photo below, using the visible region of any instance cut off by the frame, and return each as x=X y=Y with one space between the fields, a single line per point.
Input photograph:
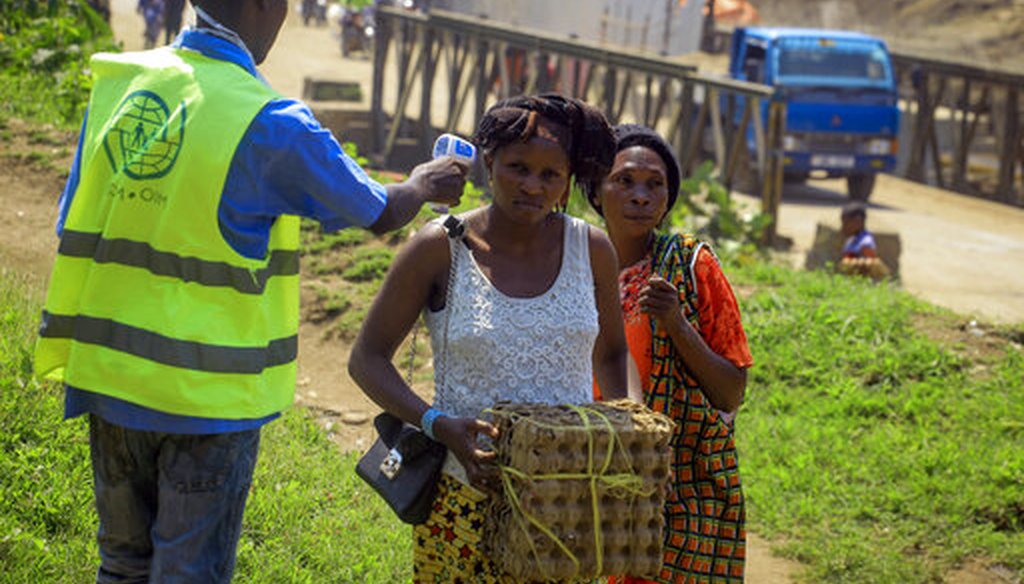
x=456 y=230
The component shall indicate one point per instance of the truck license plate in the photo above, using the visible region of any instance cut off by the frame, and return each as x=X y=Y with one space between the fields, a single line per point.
x=832 y=161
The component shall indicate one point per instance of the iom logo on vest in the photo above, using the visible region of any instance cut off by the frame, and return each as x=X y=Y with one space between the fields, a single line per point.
x=145 y=138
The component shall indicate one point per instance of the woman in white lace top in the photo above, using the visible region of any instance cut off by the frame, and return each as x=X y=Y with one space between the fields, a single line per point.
x=533 y=313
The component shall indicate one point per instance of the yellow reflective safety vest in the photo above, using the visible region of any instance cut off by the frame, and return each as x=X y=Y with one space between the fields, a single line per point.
x=147 y=302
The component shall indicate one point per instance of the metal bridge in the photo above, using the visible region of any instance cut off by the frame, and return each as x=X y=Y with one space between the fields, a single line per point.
x=439 y=71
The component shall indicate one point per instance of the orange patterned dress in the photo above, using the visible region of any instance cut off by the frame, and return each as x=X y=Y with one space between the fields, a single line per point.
x=705 y=536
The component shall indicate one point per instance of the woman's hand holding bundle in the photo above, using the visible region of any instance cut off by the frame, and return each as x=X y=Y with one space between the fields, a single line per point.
x=460 y=436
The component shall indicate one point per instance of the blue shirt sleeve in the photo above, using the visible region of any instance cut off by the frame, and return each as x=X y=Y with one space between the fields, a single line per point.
x=72 y=185
x=288 y=164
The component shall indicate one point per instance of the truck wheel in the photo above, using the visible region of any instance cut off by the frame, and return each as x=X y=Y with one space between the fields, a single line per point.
x=859 y=186
x=793 y=178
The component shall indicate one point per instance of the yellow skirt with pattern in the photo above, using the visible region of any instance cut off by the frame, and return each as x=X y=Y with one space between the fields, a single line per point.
x=447 y=547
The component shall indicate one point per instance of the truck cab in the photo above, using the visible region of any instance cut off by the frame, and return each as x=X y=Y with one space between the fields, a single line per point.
x=842 y=115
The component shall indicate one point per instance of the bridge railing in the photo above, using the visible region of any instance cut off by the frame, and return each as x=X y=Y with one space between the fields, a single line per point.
x=439 y=71
x=966 y=126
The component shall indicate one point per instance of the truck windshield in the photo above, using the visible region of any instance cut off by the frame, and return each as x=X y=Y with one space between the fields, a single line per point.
x=827 y=62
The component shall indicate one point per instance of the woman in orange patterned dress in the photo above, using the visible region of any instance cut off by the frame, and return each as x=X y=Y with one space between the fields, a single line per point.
x=684 y=332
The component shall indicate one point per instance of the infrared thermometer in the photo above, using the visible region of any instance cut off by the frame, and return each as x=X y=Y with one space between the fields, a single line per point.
x=452 y=145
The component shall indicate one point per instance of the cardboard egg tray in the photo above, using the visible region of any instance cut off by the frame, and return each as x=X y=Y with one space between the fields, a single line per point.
x=596 y=493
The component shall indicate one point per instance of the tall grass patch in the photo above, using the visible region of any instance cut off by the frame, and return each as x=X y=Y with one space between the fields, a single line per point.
x=46 y=517
x=876 y=453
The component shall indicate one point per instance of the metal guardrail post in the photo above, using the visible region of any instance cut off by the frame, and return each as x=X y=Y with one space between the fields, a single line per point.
x=738 y=148
x=382 y=40
x=1009 y=155
x=771 y=195
x=427 y=92
x=408 y=78
x=483 y=78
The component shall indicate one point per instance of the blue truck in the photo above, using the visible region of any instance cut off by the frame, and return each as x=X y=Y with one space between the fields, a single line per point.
x=842 y=115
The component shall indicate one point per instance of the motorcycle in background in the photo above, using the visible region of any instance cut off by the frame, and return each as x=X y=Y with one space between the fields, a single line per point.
x=357 y=32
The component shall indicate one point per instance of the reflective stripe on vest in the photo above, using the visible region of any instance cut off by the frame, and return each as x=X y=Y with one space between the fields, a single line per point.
x=147 y=302
x=142 y=255
x=166 y=350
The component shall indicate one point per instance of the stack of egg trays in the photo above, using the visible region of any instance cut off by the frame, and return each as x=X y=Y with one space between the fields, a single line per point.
x=542 y=519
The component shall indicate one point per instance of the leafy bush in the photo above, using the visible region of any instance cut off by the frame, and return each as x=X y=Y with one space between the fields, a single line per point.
x=44 y=58
x=352 y=150
x=706 y=207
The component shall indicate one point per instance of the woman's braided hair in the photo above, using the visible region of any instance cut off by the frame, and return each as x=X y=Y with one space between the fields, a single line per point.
x=587 y=137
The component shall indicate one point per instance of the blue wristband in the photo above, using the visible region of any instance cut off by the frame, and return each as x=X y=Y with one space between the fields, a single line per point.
x=427 y=421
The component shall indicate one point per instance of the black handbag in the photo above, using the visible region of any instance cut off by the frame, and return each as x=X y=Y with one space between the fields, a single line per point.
x=404 y=464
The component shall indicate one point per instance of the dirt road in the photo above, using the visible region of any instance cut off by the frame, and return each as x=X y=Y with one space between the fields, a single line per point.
x=958 y=252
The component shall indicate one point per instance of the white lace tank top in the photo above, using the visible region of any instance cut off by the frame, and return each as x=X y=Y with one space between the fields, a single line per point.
x=500 y=348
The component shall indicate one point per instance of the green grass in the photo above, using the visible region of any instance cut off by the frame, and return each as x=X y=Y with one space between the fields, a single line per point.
x=369 y=265
x=869 y=452
x=878 y=455
x=46 y=525
x=309 y=518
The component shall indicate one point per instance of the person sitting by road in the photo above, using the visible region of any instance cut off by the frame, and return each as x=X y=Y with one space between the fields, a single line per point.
x=172 y=313
x=859 y=253
x=524 y=307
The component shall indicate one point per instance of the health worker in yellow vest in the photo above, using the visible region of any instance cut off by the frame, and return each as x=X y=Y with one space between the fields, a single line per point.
x=172 y=311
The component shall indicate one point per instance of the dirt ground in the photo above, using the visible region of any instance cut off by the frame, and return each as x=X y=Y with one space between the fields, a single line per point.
x=983 y=32
x=962 y=253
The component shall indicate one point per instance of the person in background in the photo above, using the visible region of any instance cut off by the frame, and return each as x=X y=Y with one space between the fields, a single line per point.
x=859 y=253
x=532 y=315
x=172 y=310
x=152 y=12
x=685 y=334
x=859 y=243
x=102 y=7
x=173 y=10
